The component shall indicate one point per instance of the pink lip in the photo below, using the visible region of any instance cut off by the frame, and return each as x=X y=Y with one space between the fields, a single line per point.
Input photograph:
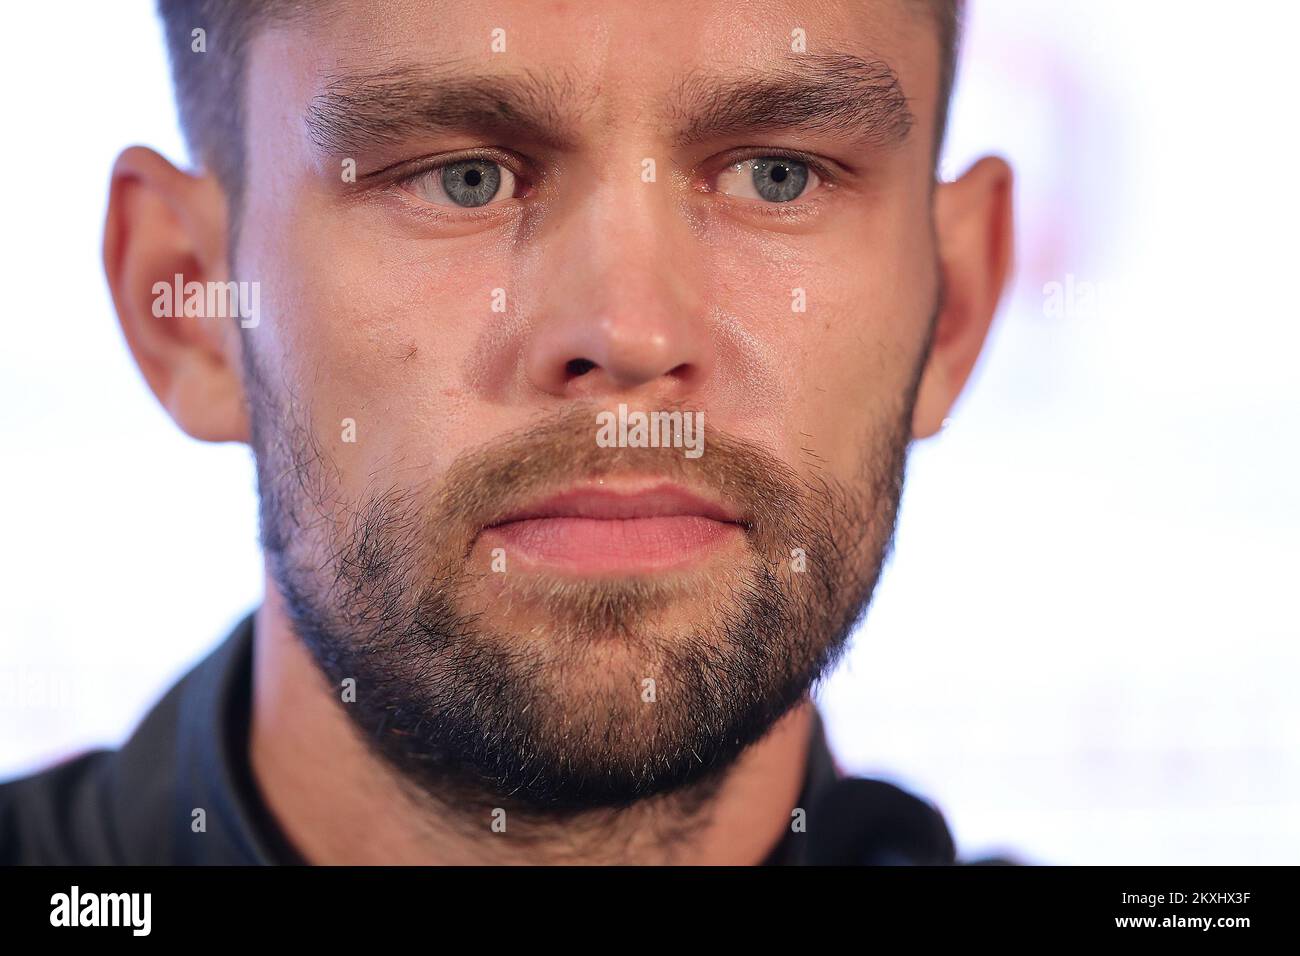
x=611 y=529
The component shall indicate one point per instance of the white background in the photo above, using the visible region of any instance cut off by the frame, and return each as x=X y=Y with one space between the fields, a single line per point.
x=1085 y=648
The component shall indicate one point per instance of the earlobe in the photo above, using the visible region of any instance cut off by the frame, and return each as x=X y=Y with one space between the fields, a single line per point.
x=164 y=223
x=974 y=233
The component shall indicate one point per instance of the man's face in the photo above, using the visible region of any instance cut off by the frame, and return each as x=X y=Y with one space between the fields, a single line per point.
x=676 y=208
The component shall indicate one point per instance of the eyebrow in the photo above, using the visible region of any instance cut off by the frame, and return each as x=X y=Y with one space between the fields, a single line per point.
x=837 y=94
x=357 y=112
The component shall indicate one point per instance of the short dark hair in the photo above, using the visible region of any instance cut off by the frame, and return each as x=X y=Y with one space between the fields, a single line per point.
x=948 y=13
x=210 y=87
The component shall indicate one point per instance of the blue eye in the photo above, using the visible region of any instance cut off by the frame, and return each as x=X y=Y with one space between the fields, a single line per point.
x=773 y=179
x=466 y=183
x=779 y=180
x=471 y=182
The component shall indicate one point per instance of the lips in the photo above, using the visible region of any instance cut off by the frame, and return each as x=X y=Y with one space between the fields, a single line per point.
x=603 y=528
x=608 y=503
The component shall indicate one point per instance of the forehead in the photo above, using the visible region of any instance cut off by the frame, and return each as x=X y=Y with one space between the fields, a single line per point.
x=616 y=61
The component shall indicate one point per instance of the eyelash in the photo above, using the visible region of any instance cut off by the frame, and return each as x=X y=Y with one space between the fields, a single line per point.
x=746 y=153
x=402 y=174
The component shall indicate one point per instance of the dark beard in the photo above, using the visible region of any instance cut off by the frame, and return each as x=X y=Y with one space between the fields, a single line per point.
x=475 y=717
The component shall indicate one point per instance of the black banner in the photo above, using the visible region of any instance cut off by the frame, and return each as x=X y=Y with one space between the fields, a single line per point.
x=1224 y=906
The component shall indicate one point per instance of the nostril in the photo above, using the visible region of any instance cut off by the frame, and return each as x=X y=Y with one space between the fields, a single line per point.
x=576 y=368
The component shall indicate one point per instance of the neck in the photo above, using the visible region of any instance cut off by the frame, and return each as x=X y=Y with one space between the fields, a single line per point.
x=320 y=780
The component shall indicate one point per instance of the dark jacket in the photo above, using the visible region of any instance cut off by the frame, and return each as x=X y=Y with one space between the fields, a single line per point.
x=135 y=805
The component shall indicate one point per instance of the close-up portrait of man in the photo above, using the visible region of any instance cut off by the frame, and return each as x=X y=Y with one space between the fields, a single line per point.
x=584 y=359
x=581 y=356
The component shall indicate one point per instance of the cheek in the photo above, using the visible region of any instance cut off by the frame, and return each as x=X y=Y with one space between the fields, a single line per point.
x=845 y=311
x=373 y=335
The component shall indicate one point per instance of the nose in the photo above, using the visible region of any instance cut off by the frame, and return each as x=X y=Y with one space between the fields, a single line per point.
x=624 y=311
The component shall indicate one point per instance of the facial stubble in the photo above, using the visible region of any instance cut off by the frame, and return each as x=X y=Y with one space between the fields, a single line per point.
x=600 y=702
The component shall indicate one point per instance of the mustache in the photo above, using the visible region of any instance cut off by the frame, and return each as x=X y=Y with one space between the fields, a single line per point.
x=484 y=485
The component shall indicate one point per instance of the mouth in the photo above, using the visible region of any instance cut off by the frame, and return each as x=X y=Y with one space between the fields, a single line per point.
x=616 y=527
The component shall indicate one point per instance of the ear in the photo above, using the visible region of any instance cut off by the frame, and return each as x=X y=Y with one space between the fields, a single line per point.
x=163 y=222
x=973 y=227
